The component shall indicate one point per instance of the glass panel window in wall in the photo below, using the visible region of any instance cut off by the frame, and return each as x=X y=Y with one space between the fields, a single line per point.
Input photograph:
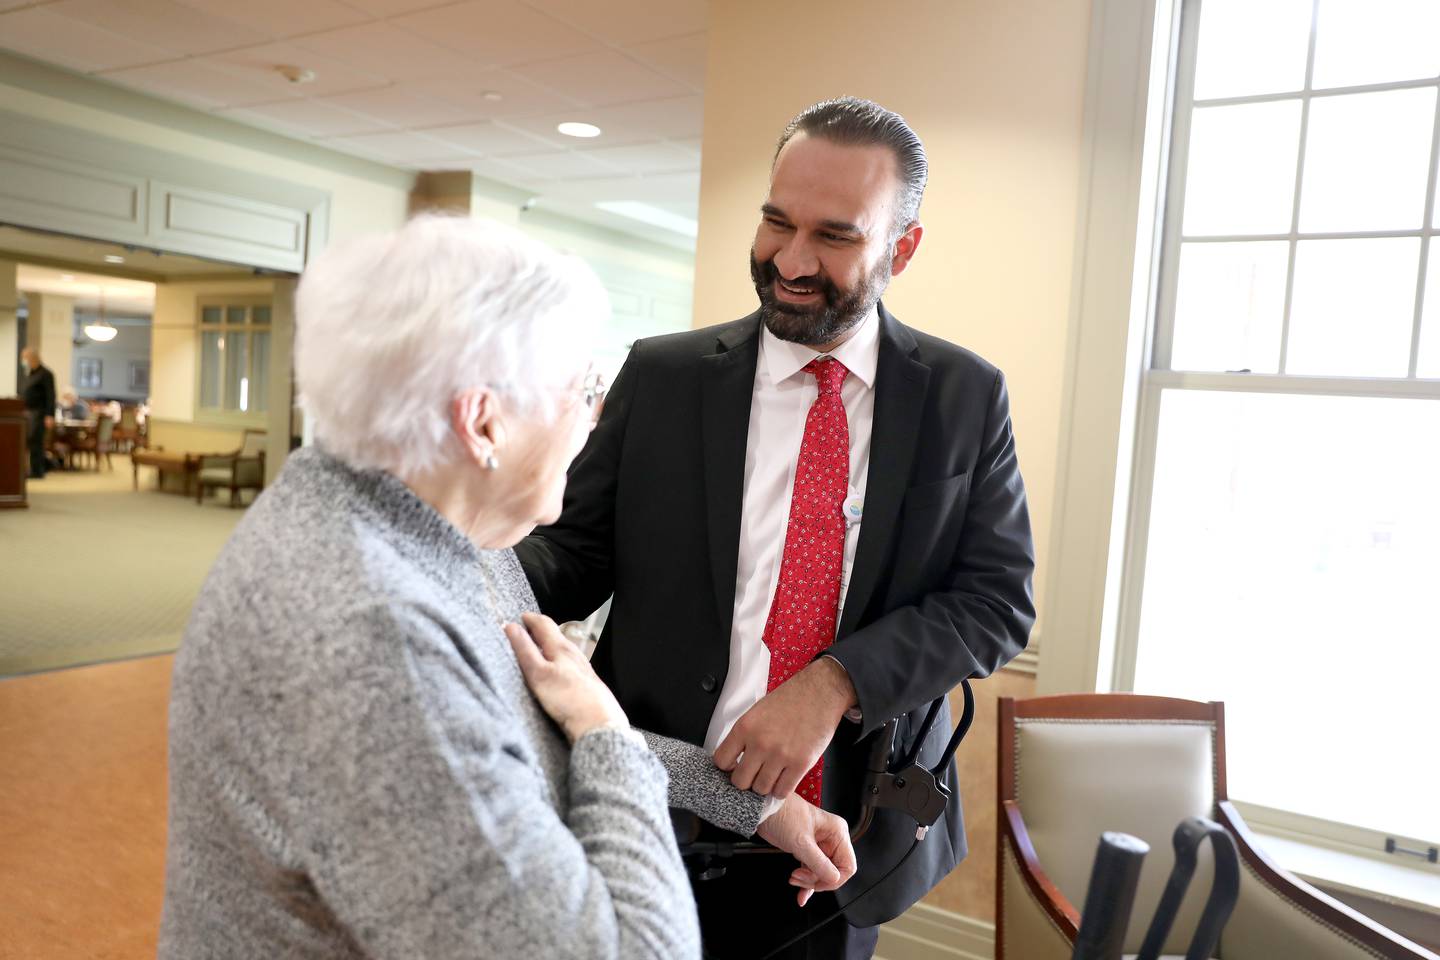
x=237 y=371
x=1291 y=572
x=1353 y=308
x=1360 y=42
x=1249 y=48
x=1367 y=157
x=1240 y=178
x=260 y=371
x=212 y=352
x=1229 y=306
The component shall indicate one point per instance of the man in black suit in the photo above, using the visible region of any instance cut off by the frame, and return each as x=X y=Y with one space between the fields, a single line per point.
x=811 y=521
x=38 y=391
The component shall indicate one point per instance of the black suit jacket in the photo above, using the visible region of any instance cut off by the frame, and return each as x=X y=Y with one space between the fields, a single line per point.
x=939 y=590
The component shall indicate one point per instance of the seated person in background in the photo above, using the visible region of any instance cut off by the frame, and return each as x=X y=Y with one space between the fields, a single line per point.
x=72 y=407
x=357 y=768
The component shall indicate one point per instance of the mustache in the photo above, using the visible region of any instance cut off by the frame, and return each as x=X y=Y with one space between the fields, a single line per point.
x=767 y=273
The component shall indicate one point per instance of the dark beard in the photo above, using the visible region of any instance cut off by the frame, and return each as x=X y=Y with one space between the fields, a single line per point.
x=822 y=324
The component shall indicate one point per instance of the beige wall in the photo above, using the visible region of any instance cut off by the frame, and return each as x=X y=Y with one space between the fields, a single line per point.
x=180 y=436
x=173 y=344
x=995 y=90
x=9 y=328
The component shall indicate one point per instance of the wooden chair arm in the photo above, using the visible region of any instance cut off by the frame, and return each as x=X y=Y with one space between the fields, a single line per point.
x=1056 y=905
x=1308 y=899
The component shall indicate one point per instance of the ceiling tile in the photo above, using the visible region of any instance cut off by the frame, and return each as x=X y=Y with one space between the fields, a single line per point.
x=497 y=32
x=395 y=147
x=601 y=78
x=390 y=8
x=647 y=158
x=630 y=21
x=563 y=164
x=385 y=48
x=397 y=106
x=278 y=19
x=163 y=23
x=41 y=33
x=672 y=118
x=519 y=97
x=490 y=139
x=259 y=64
x=194 y=82
x=307 y=118
x=680 y=58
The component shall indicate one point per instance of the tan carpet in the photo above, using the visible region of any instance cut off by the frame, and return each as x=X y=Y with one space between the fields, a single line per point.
x=93 y=571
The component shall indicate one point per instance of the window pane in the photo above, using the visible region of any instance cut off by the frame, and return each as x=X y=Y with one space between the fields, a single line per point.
x=237 y=370
x=211 y=354
x=1296 y=582
x=1241 y=173
x=1229 y=304
x=1429 y=364
x=260 y=315
x=1366 y=160
x=1375 y=41
x=234 y=314
x=1247 y=47
x=260 y=370
x=1353 y=307
x=210 y=315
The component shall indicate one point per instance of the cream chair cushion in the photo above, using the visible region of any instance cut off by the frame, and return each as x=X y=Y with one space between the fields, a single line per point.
x=1076 y=779
x=1266 y=926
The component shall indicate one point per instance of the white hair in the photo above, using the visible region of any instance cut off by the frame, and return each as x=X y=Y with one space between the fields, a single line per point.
x=391 y=327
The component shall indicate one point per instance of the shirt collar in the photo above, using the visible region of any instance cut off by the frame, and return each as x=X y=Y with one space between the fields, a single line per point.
x=860 y=353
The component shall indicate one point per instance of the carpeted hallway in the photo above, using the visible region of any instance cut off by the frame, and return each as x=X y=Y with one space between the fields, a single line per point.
x=94 y=571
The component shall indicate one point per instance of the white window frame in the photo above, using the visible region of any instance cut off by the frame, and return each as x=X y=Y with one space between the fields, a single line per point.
x=1114 y=380
x=220 y=415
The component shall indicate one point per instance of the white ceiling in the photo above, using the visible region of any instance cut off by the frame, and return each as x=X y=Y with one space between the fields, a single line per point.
x=405 y=82
x=121 y=296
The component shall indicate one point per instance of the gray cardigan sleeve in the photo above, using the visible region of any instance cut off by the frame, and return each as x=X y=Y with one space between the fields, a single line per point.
x=699 y=786
x=427 y=830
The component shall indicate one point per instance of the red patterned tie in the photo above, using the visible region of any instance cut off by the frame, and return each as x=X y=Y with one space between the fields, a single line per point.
x=807 y=598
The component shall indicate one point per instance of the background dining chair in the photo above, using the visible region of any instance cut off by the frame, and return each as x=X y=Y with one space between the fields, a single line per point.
x=1073 y=767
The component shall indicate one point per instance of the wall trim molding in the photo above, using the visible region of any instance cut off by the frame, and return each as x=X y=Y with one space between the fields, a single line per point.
x=929 y=933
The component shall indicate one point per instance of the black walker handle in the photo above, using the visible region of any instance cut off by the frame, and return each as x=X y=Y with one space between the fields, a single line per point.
x=1223 y=892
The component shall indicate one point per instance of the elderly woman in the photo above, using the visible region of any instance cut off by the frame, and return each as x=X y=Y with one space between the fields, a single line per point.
x=357 y=768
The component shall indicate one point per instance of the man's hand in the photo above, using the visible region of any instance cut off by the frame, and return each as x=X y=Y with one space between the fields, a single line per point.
x=819 y=840
x=778 y=740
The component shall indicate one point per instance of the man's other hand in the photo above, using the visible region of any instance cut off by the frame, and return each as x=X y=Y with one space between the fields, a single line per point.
x=819 y=840
x=776 y=742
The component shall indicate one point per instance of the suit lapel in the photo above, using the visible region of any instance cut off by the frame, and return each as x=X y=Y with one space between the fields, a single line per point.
x=727 y=383
x=900 y=386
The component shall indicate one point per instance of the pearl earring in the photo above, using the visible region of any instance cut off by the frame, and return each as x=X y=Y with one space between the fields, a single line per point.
x=490 y=462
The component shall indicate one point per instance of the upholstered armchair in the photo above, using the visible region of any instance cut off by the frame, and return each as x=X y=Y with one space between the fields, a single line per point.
x=1072 y=767
x=243 y=469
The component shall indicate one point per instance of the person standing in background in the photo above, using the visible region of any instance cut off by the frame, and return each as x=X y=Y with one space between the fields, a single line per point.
x=38 y=390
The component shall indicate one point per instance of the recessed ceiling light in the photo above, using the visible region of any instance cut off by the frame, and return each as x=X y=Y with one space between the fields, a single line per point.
x=68 y=277
x=113 y=258
x=572 y=129
x=296 y=74
x=494 y=96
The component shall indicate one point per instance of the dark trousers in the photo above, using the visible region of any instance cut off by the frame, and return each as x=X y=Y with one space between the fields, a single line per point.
x=751 y=911
x=36 y=434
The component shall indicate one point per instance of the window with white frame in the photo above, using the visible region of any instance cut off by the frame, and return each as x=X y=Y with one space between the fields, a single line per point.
x=1284 y=543
x=234 y=355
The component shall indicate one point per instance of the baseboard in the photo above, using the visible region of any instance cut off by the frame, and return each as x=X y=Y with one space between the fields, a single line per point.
x=928 y=933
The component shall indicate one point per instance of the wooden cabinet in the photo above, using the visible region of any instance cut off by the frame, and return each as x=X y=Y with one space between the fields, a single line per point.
x=12 y=452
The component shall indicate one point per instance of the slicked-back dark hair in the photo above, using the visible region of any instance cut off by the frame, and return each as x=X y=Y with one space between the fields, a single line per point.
x=853 y=122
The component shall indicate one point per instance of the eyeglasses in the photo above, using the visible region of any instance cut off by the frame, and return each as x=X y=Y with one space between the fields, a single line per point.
x=593 y=390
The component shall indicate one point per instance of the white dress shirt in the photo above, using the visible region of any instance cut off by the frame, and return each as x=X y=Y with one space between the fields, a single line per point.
x=781 y=400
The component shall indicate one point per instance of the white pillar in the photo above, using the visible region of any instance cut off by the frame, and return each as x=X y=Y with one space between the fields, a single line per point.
x=9 y=328
x=51 y=330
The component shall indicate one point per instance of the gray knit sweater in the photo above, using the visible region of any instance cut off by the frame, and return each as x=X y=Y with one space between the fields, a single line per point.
x=357 y=768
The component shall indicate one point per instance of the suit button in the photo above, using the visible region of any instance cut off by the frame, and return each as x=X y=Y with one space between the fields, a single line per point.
x=708 y=684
